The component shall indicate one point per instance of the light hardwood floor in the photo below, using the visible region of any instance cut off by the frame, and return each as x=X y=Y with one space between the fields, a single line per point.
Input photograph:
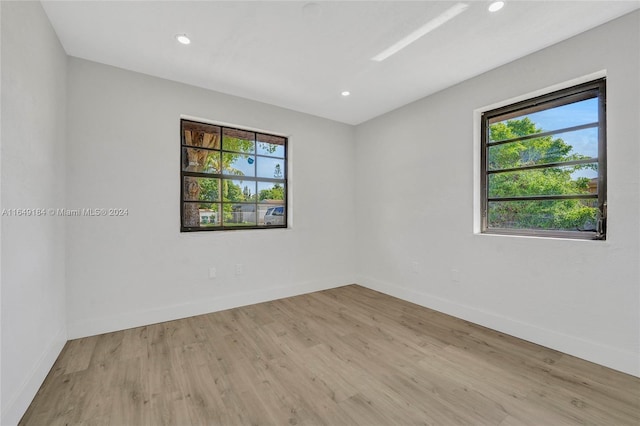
x=346 y=356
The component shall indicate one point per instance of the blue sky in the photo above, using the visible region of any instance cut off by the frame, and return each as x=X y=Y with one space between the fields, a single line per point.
x=585 y=141
x=249 y=165
x=256 y=165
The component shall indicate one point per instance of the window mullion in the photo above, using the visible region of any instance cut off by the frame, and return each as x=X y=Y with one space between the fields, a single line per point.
x=248 y=217
x=520 y=203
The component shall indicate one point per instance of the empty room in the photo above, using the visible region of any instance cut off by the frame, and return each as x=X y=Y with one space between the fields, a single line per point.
x=320 y=212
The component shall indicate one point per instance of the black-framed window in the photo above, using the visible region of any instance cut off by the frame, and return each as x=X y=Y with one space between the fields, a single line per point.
x=543 y=165
x=231 y=178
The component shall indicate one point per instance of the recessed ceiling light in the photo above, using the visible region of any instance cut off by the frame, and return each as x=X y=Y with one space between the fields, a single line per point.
x=439 y=20
x=182 y=38
x=496 y=6
x=345 y=93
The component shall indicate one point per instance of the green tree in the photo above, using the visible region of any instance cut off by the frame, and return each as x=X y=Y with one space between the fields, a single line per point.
x=198 y=160
x=275 y=193
x=231 y=192
x=209 y=189
x=246 y=192
x=548 y=214
x=220 y=157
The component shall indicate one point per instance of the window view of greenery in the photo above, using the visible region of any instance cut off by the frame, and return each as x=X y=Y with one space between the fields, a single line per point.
x=231 y=178
x=542 y=165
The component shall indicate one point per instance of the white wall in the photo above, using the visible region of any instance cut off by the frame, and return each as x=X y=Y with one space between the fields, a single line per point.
x=124 y=152
x=415 y=180
x=33 y=176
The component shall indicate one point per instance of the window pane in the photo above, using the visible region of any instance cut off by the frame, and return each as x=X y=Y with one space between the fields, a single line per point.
x=539 y=167
x=567 y=146
x=200 y=160
x=201 y=189
x=239 y=214
x=238 y=164
x=575 y=114
x=201 y=215
x=271 y=191
x=272 y=214
x=271 y=167
x=201 y=135
x=262 y=211
x=220 y=181
x=568 y=180
x=238 y=141
x=567 y=215
x=270 y=145
x=238 y=190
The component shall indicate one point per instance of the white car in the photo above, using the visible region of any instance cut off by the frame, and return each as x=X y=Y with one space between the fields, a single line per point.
x=274 y=216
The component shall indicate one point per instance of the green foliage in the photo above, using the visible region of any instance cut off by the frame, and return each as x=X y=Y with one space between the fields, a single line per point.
x=542 y=150
x=268 y=147
x=209 y=190
x=551 y=214
x=238 y=145
x=246 y=193
x=231 y=192
x=226 y=190
x=275 y=193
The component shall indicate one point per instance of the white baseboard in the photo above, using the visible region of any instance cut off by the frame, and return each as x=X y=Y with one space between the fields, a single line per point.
x=617 y=359
x=92 y=327
x=22 y=397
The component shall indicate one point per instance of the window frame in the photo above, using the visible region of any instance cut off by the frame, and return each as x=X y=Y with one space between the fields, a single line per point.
x=222 y=177
x=544 y=102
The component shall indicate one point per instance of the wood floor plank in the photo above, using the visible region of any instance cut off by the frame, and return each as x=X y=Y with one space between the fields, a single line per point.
x=345 y=356
x=135 y=343
x=130 y=394
x=76 y=356
x=197 y=382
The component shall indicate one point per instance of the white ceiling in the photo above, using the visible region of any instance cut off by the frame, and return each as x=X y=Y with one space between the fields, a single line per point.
x=302 y=54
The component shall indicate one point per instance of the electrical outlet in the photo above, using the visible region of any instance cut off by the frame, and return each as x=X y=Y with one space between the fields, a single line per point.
x=212 y=272
x=415 y=267
x=239 y=269
x=455 y=275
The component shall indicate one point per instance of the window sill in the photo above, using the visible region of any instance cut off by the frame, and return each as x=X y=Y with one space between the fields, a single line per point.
x=552 y=236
